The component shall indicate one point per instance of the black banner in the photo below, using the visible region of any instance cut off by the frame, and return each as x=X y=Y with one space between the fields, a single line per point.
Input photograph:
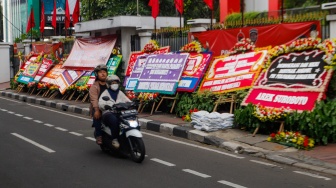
x=302 y=68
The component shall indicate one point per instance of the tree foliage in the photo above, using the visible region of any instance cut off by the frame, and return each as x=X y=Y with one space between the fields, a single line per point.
x=96 y=9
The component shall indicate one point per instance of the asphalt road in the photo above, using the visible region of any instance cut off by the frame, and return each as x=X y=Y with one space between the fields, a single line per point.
x=42 y=147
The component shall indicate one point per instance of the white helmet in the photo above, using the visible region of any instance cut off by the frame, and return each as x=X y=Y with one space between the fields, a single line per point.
x=112 y=78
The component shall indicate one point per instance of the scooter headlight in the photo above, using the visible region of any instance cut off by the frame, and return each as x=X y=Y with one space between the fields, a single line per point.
x=133 y=123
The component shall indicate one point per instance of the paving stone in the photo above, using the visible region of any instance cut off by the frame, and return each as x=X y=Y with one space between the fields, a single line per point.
x=270 y=146
x=252 y=140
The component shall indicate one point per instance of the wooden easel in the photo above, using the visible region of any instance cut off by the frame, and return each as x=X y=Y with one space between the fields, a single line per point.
x=170 y=98
x=142 y=106
x=19 y=88
x=281 y=128
x=222 y=99
x=86 y=97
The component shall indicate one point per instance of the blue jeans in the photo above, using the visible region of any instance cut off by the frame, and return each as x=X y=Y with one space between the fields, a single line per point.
x=110 y=119
x=97 y=124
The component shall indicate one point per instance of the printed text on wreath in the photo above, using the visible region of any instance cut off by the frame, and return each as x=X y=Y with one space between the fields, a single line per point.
x=284 y=99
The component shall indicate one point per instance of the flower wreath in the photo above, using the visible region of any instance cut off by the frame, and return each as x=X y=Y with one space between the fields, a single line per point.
x=193 y=46
x=328 y=46
x=152 y=46
x=270 y=114
x=294 y=139
x=242 y=46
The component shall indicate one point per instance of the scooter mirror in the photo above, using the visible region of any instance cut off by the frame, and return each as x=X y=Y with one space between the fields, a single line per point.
x=106 y=98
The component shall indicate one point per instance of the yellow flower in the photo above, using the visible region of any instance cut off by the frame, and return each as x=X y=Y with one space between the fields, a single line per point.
x=269 y=139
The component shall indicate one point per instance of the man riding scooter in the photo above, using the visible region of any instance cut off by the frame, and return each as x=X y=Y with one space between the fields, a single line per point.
x=116 y=96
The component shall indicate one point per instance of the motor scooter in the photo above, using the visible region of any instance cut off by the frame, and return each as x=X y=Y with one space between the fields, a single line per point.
x=130 y=137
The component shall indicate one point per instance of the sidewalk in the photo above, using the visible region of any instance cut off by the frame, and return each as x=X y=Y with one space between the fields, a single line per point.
x=320 y=159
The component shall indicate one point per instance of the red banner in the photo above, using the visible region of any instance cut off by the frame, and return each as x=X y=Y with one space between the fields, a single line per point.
x=221 y=41
x=134 y=55
x=87 y=53
x=231 y=73
x=55 y=48
x=45 y=67
x=295 y=81
x=197 y=64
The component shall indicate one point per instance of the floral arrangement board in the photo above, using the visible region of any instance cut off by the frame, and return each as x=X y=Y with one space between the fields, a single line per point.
x=162 y=73
x=84 y=79
x=132 y=80
x=113 y=63
x=91 y=80
x=29 y=73
x=294 y=80
x=232 y=73
x=87 y=53
x=67 y=78
x=197 y=64
x=44 y=68
x=52 y=74
x=134 y=55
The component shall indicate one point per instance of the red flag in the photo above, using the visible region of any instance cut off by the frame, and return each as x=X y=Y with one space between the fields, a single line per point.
x=67 y=15
x=209 y=3
x=42 y=22
x=76 y=13
x=31 y=21
x=53 y=22
x=179 y=6
x=155 y=7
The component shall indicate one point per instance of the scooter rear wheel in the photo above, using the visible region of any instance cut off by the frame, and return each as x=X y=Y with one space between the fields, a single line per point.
x=137 y=148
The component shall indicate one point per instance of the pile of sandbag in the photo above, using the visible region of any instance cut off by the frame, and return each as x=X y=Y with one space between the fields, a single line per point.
x=203 y=120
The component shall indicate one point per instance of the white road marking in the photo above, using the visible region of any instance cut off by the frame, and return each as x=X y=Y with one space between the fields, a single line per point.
x=90 y=138
x=230 y=184
x=77 y=134
x=38 y=121
x=196 y=173
x=61 y=129
x=3 y=110
x=163 y=162
x=264 y=163
x=28 y=118
x=60 y=112
x=312 y=175
x=20 y=115
x=34 y=143
x=49 y=125
x=193 y=145
x=180 y=142
x=10 y=100
x=10 y=112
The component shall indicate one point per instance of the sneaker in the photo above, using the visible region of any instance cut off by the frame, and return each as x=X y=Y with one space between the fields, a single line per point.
x=115 y=143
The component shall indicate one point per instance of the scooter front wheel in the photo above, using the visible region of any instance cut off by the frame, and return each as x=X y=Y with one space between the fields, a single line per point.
x=137 y=149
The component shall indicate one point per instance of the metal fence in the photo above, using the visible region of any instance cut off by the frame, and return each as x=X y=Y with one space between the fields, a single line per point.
x=173 y=39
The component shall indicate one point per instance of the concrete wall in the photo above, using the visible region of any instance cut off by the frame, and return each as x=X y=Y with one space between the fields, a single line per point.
x=4 y=63
x=256 y=5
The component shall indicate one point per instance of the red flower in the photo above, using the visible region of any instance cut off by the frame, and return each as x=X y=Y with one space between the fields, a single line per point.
x=272 y=135
x=183 y=117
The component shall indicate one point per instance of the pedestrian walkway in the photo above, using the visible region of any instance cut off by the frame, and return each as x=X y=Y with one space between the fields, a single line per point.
x=321 y=158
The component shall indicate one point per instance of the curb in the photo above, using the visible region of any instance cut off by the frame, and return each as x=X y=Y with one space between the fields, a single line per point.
x=181 y=132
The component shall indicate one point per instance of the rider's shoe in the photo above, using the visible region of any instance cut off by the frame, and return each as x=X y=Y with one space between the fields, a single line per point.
x=115 y=143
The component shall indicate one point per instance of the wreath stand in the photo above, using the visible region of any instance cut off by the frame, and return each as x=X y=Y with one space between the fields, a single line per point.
x=281 y=128
x=19 y=88
x=86 y=97
x=45 y=94
x=170 y=98
x=32 y=90
x=142 y=106
x=222 y=100
x=54 y=94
